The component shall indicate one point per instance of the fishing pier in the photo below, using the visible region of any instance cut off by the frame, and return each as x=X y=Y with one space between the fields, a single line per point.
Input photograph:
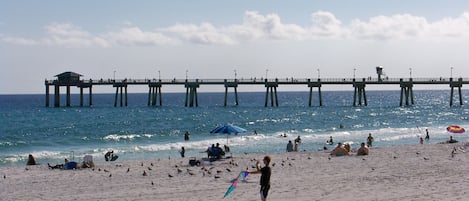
x=71 y=79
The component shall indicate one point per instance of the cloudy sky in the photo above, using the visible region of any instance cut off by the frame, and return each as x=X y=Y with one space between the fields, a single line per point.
x=214 y=38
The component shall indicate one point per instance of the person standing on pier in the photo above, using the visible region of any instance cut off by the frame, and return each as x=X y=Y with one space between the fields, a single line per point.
x=369 y=141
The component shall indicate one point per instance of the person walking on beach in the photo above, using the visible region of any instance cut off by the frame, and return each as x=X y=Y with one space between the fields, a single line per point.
x=265 y=172
x=427 y=137
x=369 y=141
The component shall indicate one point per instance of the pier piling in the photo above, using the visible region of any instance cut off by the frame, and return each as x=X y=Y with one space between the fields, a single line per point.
x=231 y=85
x=407 y=91
x=359 y=90
x=272 y=88
x=311 y=85
x=457 y=84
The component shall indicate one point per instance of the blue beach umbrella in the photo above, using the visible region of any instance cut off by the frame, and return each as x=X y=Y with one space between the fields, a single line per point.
x=228 y=129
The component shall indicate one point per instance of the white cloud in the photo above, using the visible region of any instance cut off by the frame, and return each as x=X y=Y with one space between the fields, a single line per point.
x=325 y=24
x=18 y=40
x=202 y=34
x=450 y=27
x=134 y=36
x=69 y=35
x=255 y=26
x=268 y=27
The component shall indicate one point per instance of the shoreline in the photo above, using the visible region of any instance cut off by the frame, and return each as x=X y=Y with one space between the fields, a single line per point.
x=402 y=172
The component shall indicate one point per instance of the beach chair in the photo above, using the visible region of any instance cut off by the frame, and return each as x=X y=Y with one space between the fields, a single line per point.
x=88 y=161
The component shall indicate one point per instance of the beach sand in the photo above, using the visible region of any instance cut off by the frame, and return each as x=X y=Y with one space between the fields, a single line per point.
x=407 y=172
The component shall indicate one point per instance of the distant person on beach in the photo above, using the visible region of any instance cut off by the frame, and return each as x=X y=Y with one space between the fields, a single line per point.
x=227 y=148
x=109 y=155
x=31 y=160
x=339 y=150
x=298 y=140
x=347 y=147
x=427 y=137
x=330 y=141
x=58 y=166
x=186 y=136
x=289 y=146
x=369 y=140
x=421 y=140
x=362 y=150
x=182 y=151
x=255 y=132
x=265 y=172
x=451 y=140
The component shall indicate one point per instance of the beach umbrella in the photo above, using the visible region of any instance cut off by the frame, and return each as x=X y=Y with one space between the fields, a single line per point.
x=228 y=129
x=455 y=129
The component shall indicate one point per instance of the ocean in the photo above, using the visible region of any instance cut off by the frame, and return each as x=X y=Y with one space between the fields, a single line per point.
x=139 y=132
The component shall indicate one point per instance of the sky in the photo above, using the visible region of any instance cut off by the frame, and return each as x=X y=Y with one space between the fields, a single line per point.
x=214 y=39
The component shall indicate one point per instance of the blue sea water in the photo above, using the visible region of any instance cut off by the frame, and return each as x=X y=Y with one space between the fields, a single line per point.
x=138 y=131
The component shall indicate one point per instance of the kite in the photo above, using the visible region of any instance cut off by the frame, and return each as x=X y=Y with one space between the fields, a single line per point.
x=243 y=175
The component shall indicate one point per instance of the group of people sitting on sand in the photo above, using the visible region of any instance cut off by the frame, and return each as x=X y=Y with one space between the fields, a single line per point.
x=216 y=152
x=345 y=150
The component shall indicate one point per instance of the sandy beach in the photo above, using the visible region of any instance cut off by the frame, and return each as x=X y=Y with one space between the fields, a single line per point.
x=406 y=172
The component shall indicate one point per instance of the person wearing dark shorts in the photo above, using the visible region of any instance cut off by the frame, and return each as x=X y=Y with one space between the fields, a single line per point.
x=265 y=177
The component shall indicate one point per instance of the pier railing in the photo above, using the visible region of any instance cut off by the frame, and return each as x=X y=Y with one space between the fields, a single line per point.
x=271 y=84
x=175 y=81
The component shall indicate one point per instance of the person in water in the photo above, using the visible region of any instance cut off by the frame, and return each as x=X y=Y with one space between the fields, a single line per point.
x=289 y=146
x=451 y=140
x=369 y=140
x=182 y=152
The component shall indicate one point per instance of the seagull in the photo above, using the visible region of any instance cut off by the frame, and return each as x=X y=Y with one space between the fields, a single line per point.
x=149 y=168
x=152 y=183
x=216 y=176
x=179 y=170
x=144 y=173
x=425 y=158
x=228 y=169
x=169 y=175
x=151 y=164
x=128 y=169
x=110 y=175
x=106 y=170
